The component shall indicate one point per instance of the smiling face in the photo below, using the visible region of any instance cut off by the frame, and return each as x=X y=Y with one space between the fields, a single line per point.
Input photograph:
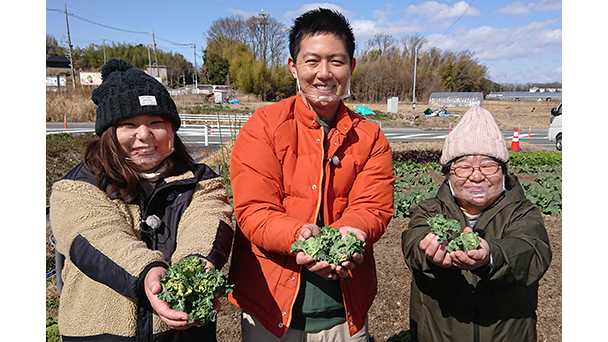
x=322 y=69
x=146 y=140
x=481 y=188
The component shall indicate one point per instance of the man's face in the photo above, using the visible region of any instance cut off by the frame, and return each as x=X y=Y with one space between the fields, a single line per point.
x=323 y=69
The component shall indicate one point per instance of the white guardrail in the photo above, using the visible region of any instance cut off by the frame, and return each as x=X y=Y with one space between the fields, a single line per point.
x=213 y=124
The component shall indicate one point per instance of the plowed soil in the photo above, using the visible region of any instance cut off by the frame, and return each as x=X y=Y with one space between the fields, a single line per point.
x=389 y=315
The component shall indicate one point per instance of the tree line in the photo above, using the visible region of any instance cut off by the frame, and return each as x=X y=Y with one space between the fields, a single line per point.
x=93 y=57
x=250 y=54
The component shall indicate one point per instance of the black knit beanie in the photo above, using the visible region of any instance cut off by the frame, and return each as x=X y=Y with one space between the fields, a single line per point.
x=127 y=92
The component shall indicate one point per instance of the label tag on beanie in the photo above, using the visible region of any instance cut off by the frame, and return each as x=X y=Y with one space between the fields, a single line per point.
x=147 y=100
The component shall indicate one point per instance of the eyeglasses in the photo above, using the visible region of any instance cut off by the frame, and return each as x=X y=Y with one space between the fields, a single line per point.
x=486 y=169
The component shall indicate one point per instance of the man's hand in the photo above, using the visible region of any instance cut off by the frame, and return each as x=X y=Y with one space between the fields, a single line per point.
x=322 y=268
x=344 y=267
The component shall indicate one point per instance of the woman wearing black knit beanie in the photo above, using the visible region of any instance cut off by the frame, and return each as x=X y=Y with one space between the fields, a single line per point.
x=134 y=206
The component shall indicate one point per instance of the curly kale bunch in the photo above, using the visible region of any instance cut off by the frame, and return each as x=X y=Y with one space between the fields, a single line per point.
x=450 y=230
x=187 y=287
x=330 y=245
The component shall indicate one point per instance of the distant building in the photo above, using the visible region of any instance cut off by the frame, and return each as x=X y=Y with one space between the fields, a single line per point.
x=545 y=90
x=161 y=73
x=456 y=99
x=57 y=67
x=524 y=96
x=57 y=64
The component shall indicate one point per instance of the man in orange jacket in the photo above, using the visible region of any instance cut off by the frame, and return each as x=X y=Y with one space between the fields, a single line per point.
x=297 y=165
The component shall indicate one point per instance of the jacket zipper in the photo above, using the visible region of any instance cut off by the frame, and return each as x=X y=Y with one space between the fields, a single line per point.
x=320 y=183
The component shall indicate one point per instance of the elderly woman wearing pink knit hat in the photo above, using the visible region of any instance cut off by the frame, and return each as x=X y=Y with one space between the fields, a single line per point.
x=488 y=293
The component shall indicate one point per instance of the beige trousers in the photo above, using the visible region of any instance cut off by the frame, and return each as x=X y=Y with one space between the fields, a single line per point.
x=254 y=331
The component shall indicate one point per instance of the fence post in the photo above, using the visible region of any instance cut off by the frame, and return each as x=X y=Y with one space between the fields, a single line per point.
x=206 y=131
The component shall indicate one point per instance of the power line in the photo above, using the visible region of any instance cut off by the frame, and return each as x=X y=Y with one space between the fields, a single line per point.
x=116 y=28
x=454 y=23
x=174 y=43
x=107 y=26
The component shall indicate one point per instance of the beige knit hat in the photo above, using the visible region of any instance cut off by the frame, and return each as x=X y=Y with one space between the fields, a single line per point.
x=476 y=133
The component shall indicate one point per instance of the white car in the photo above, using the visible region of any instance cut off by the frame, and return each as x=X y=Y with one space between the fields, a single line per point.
x=555 y=127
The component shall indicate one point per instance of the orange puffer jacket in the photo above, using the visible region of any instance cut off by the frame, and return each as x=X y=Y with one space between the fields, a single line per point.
x=280 y=178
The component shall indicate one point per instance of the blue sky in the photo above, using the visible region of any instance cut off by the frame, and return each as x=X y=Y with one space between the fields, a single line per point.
x=519 y=41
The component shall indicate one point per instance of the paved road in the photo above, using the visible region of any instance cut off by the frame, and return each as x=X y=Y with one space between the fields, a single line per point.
x=194 y=138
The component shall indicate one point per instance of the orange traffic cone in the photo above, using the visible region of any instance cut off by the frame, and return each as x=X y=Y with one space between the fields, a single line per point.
x=65 y=122
x=212 y=133
x=515 y=141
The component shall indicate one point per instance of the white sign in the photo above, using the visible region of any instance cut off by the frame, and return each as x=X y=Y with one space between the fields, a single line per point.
x=54 y=81
x=90 y=78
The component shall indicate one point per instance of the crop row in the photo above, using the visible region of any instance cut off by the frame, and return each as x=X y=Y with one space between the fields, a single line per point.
x=417 y=179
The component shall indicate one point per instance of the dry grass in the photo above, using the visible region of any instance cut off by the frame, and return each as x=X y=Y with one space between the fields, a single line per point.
x=508 y=114
x=76 y=105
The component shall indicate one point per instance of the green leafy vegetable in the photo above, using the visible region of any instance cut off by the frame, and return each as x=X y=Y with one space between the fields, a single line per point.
x=187 y=287
x=330 y=245
x=447 y=229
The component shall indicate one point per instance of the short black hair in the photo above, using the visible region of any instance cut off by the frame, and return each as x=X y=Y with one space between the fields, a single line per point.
x=321 y=20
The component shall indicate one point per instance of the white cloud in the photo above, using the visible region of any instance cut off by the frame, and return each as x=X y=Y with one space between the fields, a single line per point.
x=549 y=5
x=365 y=29
x=442 y=15
x=519 y=8
x=516 y=8
x=490 y=43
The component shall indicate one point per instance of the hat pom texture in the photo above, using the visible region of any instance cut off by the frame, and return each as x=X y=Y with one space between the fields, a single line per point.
x=126 y=92
x=476 y=133
x=114 y=65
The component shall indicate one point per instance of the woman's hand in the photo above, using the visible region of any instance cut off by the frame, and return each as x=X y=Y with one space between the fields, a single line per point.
x=472 y=259
x=435 y=252
x=175 y=319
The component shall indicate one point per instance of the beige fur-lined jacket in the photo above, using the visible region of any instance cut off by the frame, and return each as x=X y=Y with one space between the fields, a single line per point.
x=109 y=249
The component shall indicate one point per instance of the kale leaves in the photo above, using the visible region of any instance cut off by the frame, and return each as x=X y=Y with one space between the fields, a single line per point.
x=187 y=287
x=330 y=245
x=450 y=230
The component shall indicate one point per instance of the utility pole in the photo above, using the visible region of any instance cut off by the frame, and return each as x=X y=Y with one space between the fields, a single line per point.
x=414 y=91
x=104 y=51
x=195 y=68
x=263 y=20
x=149 y=60
x=155 y=58
x=69 y=45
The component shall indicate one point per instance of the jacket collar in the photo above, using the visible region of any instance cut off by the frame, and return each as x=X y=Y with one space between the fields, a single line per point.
x=345 y=118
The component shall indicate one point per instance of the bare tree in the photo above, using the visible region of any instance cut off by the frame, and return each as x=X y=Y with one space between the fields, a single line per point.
x=267 y=38
x=412 y=43
x=229 y=28
x=382 y=41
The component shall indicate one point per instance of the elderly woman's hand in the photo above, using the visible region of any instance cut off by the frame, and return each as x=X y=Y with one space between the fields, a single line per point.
x=472 y=259
x=436 y=252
